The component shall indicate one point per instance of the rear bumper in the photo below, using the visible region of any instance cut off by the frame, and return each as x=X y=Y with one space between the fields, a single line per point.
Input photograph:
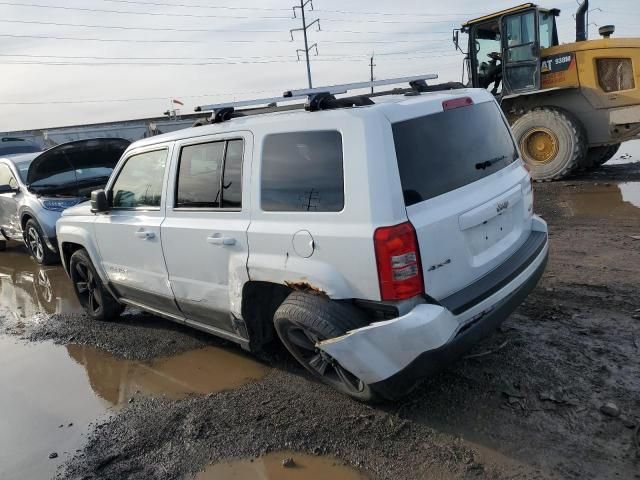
x=392 y=355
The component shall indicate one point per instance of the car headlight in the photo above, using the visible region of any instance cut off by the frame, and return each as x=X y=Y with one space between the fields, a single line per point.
x=615 y=74
x=58 y=205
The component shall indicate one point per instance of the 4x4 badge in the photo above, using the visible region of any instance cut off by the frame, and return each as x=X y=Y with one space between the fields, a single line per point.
x=502 y=206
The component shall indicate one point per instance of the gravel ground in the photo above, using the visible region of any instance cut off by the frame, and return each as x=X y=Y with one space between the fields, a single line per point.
x=554 y=393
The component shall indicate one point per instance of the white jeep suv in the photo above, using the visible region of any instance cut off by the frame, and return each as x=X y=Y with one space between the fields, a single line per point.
x=377 y=240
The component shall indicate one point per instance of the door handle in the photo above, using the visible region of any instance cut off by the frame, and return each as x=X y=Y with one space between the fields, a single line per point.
x=145 y=235
x=219 y=240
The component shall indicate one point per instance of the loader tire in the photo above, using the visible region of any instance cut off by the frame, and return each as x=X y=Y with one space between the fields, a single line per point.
x=598 y=156
x=552 y=142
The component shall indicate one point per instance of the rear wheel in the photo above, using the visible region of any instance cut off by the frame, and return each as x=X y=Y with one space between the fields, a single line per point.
x=598 y=156
x=305 y=319
x=552 y=142
x=37 y=245
x=94 y=298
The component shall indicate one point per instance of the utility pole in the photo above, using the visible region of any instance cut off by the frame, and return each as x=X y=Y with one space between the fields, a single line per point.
x=371 y=64
x=304 y=29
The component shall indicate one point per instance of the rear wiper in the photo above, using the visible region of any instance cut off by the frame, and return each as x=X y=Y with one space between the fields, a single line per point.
x=488 y=163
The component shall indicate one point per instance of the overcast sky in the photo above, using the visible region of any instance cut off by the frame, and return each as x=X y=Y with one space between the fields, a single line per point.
x=206 y=51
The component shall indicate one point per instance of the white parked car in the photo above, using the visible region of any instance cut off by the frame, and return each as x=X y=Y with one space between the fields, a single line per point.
x=378 y=242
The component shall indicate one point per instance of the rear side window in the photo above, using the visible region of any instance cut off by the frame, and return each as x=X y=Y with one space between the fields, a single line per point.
x=139 y=183
x=210 y=175
x=303 y=172
x=445 y=151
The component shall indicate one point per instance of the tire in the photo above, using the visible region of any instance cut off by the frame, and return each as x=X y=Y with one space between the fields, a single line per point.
x=96 y=300
x=35 y=241
x=304 y=319
x=552 y=142
x=598 y=156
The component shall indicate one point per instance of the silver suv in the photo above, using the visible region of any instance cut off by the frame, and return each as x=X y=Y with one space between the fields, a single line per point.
x=36 y=187
x=377 y=236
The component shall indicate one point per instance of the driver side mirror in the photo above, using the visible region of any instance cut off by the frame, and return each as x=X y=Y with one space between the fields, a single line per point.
x=8 y=189
x=99 y=201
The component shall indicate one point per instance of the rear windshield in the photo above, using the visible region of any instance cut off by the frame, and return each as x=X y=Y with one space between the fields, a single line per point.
x=441 y=152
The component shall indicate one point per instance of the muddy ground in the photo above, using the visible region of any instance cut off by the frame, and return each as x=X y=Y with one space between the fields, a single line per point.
x=525 y=403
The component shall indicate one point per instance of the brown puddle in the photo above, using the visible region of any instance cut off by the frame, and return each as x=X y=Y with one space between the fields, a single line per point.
x=50 y=394
x=207 y=370
x=27 y=288
x=601 y=200
x=269 y=467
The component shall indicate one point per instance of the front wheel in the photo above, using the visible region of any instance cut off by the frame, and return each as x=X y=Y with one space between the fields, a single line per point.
x=37 y=245
x=302 y=321
x=94 y=298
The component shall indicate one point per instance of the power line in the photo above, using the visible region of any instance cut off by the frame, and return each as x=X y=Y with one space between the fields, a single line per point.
x=196 y=30
x=193 y=15
x=346 y=12
x=261 y=57
x=128 y=12
x=190 y=64
x=127 y=40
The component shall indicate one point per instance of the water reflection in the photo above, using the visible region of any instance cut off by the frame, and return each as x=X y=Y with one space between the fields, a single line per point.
x=27 y=288
x=202 y=371
x=269 y=467
x=50 y=394
x=601 y=200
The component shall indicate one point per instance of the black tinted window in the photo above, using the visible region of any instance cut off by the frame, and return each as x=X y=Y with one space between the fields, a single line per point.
x=232 y=184
x=441 y=152
x=302 y=171
x=199 y=175
x=139 y=183
x=199 y=183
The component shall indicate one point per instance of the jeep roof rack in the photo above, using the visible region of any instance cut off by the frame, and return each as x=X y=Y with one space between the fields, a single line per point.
x=320 y=98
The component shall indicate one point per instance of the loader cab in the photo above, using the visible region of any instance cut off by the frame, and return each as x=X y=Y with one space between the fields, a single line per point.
x=504 y=48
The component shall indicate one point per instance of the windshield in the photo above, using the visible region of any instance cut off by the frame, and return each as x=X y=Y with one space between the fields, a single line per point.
x=445 y=151
x=23 y=169
x=16 y=148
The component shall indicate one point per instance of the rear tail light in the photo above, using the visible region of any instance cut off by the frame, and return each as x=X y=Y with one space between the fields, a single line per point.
x=398 y=259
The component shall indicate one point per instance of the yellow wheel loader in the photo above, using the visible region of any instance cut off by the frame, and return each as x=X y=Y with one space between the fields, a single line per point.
x=570 y=105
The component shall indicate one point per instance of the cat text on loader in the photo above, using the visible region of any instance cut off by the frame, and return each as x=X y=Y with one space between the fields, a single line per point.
x=570 y=105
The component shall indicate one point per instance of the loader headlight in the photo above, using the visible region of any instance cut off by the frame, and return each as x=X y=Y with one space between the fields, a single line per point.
x=58 y=205
x=615 y=74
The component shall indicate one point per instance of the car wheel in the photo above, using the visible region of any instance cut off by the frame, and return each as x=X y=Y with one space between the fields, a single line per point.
x=37 y=245
x=305 y=319
x=96 y=300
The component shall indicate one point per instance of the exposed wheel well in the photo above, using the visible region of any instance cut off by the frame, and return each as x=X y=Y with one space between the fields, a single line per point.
x=260 y=300
x=24 y=219
x=68 y=249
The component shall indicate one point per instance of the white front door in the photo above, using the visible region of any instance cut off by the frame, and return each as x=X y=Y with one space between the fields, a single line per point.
x=129 y=236
x=205 y=230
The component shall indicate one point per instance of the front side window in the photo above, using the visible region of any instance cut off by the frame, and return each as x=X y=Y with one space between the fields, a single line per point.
x=210 y=175
x=139 y=183
x=303 y=172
